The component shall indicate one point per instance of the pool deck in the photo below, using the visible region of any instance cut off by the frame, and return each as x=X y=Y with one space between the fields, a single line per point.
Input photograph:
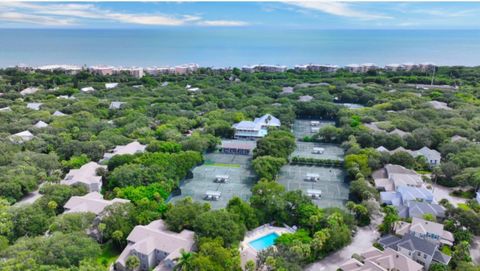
x=247 y=252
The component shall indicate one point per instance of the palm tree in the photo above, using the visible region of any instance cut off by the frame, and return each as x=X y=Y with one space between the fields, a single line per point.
x=184 y=262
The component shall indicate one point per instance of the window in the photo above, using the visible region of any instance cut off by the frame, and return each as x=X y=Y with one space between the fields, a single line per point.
x=419 y=253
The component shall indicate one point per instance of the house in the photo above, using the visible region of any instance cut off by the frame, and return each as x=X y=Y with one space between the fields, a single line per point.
x=34 y=106
x=305 y=98
x=21 y=137
x=433 y=157
x=111 y=85
x=92 y=202
x=419 y=209
x=377 y=260
x=40 y=124
x=6 y=109
x=287 y=90
x=428 y=230
x=390 y=177
x=116 y=105
x=398 y=132
x=131 y=148
x=238 y=147
x=66 y=97
x=439 y=105
x=87 y=89
x=155 y=246
x=58 y=114
x=87 y=175
x=353 y=68
x=255 y=129
x=405 y=194
x=416 y=248
x=29 y=90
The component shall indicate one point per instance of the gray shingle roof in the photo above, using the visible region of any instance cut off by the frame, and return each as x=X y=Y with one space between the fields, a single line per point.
x=411 y=242
x=441 y=258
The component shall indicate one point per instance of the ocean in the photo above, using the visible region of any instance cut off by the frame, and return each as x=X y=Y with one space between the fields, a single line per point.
x=225 y=47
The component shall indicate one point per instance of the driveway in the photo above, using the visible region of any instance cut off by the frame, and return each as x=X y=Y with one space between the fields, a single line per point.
x=30 y=197
x=363 y=240
x=442 y=192
x=475 y=250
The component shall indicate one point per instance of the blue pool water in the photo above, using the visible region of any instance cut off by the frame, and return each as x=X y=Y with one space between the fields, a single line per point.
x=264 y=241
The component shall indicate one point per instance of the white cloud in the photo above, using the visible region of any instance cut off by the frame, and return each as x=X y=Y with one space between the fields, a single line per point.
x=339 y=9
x=69 y=13
x=223 y=23
x=16 y=17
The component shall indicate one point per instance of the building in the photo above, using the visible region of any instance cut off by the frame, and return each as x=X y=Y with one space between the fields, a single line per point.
x=368 y=67
x=317 y=68
x=40 y=124
x=433 y=157
x=305 y=98
x=58 y=114
x=428 y=230
x=426 y=67
x=131 y=148
x=87 y=89
x=6 y=109
x=439 y=105
x=392 y=176
x=102 y=70
x=238 y=147
x=393 y=67
x=87 y=175
x=34 y=106
x=21 y=137
x=155 y=247
x=255 y=129
x=478 y=197
x=287 y=90
x=70 y=69
x=116 y=105
x=29 y=90
x=409 y=66
x=377 y=260
x=92 y=202
x=264 y=68
x=111 y=85
x=418 y=249
x=405 y=194
x=353 y=68
x=420 y=209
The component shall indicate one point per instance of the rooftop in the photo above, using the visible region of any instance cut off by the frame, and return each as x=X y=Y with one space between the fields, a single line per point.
x=92 y=202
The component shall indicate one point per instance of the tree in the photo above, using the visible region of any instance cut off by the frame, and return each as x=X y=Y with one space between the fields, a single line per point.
x=461 y=253
x=220 y=223
x=132 y=263
x=391 y=216
x=268 y=166
x=250 y=266
x=244 y=211
x=184 y=262
x=183 y=214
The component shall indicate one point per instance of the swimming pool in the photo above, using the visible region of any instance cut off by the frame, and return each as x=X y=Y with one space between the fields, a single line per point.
x=264 y=241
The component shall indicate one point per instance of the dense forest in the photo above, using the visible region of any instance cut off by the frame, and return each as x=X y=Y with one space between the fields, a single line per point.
x=179 y=126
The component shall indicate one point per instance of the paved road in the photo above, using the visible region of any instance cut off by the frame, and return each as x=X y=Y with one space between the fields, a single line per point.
x=475 y=250
x=442 y=192
x=29 y=199
x=363 y=240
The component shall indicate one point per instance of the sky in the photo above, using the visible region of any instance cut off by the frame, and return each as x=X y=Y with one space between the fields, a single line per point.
x=288 y=15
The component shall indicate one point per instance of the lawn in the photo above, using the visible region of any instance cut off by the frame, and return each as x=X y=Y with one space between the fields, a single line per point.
x=208 y=163
x=446 y=250
x=464 y=207
x=466 y=194
x=108 y=256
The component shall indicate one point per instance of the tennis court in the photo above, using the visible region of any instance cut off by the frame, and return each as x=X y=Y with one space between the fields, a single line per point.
x=331 y=151
x=303 y=128
x=331 y=183
x=240 y=179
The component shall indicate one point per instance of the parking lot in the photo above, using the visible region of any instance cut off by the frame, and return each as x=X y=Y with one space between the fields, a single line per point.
x=331 y=182
x=241 y=179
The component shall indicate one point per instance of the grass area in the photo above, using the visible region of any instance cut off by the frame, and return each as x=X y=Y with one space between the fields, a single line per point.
x=423 y=172
x=466 y=194
x=446 y=250
x=464 y=207
x=108 y=256
x=209 y=163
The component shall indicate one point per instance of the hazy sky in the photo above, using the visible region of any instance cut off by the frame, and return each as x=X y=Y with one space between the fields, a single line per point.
x=302 y=15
